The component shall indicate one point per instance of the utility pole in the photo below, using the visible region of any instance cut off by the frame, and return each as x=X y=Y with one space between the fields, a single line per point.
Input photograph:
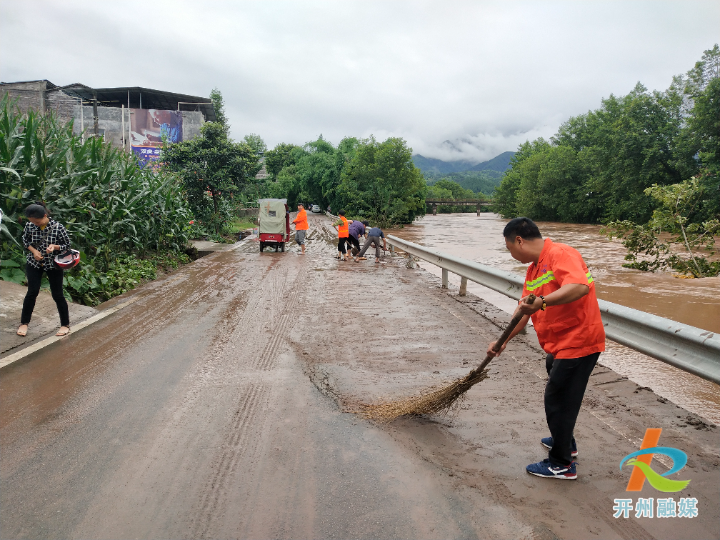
x=95 y=115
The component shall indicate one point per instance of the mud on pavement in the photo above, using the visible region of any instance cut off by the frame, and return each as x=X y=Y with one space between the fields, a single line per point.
x=213 y=408
x=395 y=330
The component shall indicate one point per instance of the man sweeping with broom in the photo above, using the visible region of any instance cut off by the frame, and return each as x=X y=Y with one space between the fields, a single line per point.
x=567 y=320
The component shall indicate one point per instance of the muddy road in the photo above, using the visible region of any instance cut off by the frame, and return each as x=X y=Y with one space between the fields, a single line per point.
x=214 y=407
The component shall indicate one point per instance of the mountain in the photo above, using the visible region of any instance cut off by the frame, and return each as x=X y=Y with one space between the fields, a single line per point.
x=439 y=167
x=499 y=163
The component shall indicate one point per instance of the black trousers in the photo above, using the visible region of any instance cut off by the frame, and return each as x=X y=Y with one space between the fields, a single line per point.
x=353 y=242
x=563 y=396
x=341 y=245
x=55 y=277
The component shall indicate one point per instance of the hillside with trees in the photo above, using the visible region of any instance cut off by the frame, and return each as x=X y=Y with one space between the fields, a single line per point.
x=477 y=177
x=646 y=164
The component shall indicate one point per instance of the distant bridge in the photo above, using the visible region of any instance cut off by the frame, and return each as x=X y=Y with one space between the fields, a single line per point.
x=450 y=202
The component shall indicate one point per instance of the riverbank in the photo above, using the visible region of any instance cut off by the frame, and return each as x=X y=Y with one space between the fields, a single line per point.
x=691 y=301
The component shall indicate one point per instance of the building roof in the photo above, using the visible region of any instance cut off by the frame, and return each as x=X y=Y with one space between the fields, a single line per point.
x=138 y=97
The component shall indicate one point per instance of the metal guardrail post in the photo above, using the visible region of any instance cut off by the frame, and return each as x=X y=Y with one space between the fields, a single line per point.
x=444 y=278
x=686 y=347
x=463 y=286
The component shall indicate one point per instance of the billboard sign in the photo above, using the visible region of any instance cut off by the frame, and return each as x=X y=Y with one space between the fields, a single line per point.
x=148 y=127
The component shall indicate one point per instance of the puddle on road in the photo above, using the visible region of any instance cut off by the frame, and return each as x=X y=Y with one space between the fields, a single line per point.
x=691 y=301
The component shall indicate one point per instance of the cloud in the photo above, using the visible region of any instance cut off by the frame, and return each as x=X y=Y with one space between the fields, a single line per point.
x=485 y=76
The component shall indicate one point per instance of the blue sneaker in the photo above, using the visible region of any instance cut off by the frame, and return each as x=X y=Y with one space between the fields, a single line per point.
x=547 y=470
x=547 y=442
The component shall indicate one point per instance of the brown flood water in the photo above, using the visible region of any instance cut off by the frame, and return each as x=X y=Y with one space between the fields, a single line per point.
x=691 y=301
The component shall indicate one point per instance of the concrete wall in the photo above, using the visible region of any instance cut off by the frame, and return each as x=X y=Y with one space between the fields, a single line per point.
x=110 y=123
x=192 y=122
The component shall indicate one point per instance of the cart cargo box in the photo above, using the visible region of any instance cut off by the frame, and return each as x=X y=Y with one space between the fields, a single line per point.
x=273 y=223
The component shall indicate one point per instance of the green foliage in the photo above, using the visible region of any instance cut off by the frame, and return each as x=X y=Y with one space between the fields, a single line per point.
x=255 y=142
x=214 y=170
x=669 y=240
x=599 y=165
x=448 y=190
x=108 y=204
x=279 y=157
x=219 y=107
x=370 y=180
x=381 y=183
x=88 y=285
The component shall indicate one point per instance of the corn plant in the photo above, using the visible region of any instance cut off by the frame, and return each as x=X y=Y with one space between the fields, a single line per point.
x=109 y=204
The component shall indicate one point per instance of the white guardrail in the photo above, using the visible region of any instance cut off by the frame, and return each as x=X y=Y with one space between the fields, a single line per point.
x=691 y=349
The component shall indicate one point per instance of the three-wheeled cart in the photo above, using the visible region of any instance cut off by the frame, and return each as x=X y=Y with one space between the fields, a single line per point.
x=273 y=223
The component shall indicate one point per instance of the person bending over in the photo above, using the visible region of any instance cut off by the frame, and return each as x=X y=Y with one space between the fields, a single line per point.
x=567 y=321
x=373 y=238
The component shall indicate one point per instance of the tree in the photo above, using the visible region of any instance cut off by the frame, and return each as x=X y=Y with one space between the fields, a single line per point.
x=255 y=142
x=219 y=107
x=703 y=128
x=279 y=157
x=381 y=182
x=214 y=169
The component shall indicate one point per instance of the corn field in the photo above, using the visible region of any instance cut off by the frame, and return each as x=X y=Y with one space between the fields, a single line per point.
x=109 y=205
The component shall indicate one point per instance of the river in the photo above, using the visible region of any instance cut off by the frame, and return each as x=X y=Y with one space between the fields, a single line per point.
x=691 y=301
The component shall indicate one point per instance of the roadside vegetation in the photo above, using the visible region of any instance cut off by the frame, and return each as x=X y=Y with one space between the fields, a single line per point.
x=218 y=174
x=125 y=221
x=128 y=222
x=647 y=165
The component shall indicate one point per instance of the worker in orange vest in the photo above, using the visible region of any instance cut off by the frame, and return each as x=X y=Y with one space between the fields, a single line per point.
x=566 y=317
x=301 y=227
x=343 y=228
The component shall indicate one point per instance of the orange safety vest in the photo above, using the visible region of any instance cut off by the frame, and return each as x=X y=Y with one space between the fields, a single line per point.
x=344 y=229
x=569 y=330
x=301 y=221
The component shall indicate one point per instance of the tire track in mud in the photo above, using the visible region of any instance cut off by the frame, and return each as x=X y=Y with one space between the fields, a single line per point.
x=238 y=444
x=267 y=359
x=242 y=437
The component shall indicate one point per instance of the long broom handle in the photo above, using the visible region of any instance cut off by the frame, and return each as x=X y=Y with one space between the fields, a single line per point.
x=503 y=338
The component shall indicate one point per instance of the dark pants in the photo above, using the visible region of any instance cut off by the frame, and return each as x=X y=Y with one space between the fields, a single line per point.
x=353 y=242
x=341 y=245
x=563 y=396
x=55 y=277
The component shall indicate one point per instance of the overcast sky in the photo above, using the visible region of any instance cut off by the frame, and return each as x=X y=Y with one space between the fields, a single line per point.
x=485 y=76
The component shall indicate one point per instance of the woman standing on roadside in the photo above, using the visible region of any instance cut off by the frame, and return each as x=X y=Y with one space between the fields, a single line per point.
x=42 y=237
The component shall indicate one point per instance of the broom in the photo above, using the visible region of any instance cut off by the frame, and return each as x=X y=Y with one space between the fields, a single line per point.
x=437 y=400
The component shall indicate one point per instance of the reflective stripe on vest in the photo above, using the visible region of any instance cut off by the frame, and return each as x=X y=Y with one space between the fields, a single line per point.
x=546 y=278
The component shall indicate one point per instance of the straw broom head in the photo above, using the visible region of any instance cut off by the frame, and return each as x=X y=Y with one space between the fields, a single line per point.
x=437 y=400
x=429 y=401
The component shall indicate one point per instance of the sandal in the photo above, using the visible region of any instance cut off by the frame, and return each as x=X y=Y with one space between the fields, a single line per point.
x=22 y=333
x=63 y=333
x=362 y=258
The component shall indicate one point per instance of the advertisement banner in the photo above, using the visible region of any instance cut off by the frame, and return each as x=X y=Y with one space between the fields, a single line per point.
x=148 y=127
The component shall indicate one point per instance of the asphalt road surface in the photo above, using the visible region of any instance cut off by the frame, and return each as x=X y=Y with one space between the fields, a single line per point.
x=215 y=406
